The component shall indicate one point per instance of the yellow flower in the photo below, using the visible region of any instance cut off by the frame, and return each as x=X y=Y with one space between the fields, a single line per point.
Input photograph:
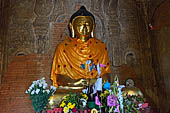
x=85 y=96
x=69 y=105
x=101 y=95
x=106 y=92
x=62 y=104
x=65 y=97
x=66 y=109
x=72 y=106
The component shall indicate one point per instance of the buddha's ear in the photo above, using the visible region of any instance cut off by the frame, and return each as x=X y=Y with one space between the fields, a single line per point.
x=71 y=30
x=92 y=33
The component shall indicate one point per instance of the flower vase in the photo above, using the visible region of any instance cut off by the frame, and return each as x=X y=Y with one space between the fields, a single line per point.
x=39 y=102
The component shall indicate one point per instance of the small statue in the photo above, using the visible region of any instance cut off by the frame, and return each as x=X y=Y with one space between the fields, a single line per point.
x=76 y=50
x=131 y=90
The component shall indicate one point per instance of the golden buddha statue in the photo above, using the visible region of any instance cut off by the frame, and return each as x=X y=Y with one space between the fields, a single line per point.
x=130 y=89
x=76 y=49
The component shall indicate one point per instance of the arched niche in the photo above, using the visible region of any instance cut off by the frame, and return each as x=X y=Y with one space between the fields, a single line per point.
x=130 y=58
x=21 y=53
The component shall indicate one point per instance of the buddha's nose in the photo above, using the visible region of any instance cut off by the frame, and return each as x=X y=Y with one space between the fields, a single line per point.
x=85 y=28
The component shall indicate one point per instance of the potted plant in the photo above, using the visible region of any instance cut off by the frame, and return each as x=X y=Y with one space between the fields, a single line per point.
x=39 y=94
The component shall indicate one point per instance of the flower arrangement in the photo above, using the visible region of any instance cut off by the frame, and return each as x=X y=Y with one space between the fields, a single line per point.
x=110 y=96
x=113 y=101
x=103 y=97
x=110 y=100
x=39 y=93
x=133 y=103
x=74 y=102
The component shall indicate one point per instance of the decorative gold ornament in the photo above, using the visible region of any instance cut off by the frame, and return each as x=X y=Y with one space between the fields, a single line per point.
x=131 y=90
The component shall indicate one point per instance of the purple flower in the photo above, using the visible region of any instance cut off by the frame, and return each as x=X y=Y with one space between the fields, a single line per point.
x=74 y=109
x=112 y=100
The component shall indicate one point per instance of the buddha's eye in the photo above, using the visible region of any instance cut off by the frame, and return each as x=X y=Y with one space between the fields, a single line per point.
x=79 y=24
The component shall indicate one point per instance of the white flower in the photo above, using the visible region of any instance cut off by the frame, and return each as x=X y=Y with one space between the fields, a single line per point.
x=110 y=91
x=140 y=106
x=40 y=84
x=120 y=97
x=45 y=85
x=33 y=91
x=32 y=86
x=26 y=91
x=53 y=88
x=48 y=91
x=35 y=82
x=84 y=91
x=43 y=91
x=29 y=90
x=84 y=101
x=38 y=81
x=42 y=80
x=37 y=91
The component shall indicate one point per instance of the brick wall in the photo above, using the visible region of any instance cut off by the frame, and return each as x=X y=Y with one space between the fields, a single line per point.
x=22 y=71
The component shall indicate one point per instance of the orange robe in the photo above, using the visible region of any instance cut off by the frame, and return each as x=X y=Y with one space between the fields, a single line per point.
x=72 y=52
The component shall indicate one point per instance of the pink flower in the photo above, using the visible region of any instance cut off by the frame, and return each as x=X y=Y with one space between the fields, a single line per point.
x=102 y=65
x=97 y=102
x=112 y=100
x=145 y=105
x=74 y=109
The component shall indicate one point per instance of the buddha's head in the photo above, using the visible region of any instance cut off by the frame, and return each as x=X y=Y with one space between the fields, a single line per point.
x=82 y=24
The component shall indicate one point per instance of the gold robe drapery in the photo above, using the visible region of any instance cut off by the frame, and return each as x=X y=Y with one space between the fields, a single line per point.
x=72 y=52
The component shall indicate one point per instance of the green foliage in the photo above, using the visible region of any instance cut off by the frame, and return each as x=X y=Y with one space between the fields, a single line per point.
x=75 y=99
x=39 y=101
x=115 y=84
x=39 y=94
x=131 y=103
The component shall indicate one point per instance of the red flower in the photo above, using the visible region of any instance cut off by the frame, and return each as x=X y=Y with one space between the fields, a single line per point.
x=74 y=109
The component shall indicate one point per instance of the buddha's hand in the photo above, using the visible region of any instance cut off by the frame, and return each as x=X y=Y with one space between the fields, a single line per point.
x=82 y=82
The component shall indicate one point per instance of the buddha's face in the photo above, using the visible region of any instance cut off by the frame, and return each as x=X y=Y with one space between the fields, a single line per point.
x=83 y=26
